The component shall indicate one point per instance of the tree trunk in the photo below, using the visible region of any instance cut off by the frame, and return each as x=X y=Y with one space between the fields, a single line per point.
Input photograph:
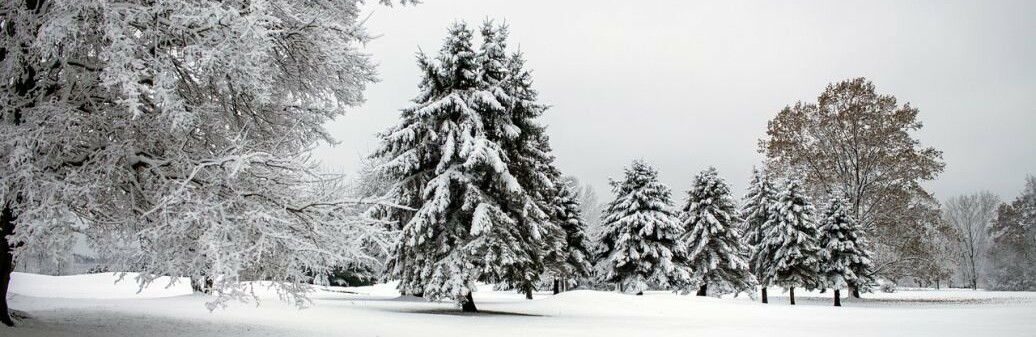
x=855 y=290
x=528 y=293
x=6 y=261
x=557 y=286
x=936 y=284
x=703 y=290
x=838 y=298
x=791 y=294
x=764 y=295
x=469 y=304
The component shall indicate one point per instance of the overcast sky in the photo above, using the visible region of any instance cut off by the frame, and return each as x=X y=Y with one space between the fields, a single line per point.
x=685 y=85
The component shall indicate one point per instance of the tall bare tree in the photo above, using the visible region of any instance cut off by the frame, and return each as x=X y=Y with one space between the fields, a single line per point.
x=970 y=215
x=855 y=140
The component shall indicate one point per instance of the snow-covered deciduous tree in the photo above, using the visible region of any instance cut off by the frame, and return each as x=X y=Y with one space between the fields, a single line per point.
x=1012 y=236
x=970 y=215
x=844 y=258
x=457 y=155
x=640 y=246
x=757 y=208
x=178 y=130
x=716 y=254
x=859 y=141
x=789 y=245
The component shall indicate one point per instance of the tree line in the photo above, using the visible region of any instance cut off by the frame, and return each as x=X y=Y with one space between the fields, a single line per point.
x=486 y=203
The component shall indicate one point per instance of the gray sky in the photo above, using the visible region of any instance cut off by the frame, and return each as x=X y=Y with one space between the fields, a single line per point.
x=685 y=85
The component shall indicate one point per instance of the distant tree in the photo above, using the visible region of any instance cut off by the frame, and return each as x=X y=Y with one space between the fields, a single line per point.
x=855 y=140
x=970 y=215
x=716 y=255
x=573 y=260
x=640 y=246
x=844 y=258
x=1012 y=236
x=790 y=242
x=944 y=258
x=757 y=208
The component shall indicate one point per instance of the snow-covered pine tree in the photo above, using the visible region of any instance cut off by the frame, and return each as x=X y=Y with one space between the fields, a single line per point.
x=640 y=246
x=756 y=208
x=716 y=255
x=843 y=251
x=474 y=221
x=790 y=239
x=573 y=261
x=527 y=147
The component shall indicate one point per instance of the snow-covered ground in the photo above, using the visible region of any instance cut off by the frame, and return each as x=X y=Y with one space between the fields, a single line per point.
x=94 y=305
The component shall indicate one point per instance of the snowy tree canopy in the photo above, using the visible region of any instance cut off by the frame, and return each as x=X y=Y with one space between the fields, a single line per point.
x=177 y=131
x=640 y=245
x=478 y=216
x=844 y=258
x=716 y=254
x=788 y=252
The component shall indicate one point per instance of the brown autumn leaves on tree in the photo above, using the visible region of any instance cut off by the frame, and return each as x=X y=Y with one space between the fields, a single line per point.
x=855 y=141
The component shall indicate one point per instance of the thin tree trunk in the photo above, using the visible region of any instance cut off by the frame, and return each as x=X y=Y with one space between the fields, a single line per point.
x=6 y=261
x=528 y=291
x=764 y=295
x=791 y=293
x=838 y=298
x=557 y=286
x=855 y=290
x=703 y=290
x=469 y=304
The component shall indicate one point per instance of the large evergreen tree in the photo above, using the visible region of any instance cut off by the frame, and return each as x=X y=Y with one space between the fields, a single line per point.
x=640 y=245
x=716 y=254
x=473 y=219
x=757 y=208
x=844 y=258
x=790 y=241
x=526 y=145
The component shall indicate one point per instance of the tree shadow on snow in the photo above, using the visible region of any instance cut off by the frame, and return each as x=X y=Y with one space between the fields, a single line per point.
x=458 y=312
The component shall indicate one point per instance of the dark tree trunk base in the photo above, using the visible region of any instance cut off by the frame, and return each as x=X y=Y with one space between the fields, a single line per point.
x=557 y=286
x=855 y=292
x=703 y=290
x=469 y=304
x=838 y=298
x=640 y=293
x=6 y=262
x=764 y=296
x=791 y=294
